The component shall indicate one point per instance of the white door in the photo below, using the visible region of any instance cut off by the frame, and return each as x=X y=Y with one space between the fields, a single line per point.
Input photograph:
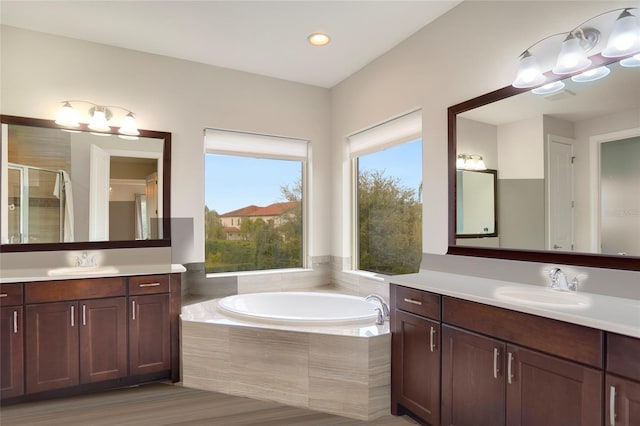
x=559 y=190
x=152 y=206
x=99 y=176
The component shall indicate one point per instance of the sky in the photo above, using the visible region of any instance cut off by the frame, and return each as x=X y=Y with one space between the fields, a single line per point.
x=233 y=182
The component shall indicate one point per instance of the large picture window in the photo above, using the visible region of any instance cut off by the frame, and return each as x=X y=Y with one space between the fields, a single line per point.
x=388 y=205
x=254 y=202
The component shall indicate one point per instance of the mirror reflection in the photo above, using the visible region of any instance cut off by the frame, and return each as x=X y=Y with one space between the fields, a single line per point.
x=61 y=186
x=568 y=165
x=476 y=201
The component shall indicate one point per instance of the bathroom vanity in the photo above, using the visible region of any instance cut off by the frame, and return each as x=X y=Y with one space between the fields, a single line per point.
x=464 y=362
x=71 y=336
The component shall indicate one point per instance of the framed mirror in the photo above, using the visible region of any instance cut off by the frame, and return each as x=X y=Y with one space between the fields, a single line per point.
x=70 y=190
x=476 y=203
x=568 y=171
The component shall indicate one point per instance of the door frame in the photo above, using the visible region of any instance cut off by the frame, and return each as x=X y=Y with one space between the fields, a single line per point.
x=551 y=138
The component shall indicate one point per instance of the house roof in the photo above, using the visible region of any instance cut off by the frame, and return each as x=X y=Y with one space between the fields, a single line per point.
x=275 y=209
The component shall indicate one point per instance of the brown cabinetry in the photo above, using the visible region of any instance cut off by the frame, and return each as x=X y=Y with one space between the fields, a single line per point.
x=11 y=341
x=502 y=367
x=622 y=381
x=415 y=368
x=88 y=334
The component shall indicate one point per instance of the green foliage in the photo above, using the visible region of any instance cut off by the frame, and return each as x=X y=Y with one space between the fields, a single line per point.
x=389 y=225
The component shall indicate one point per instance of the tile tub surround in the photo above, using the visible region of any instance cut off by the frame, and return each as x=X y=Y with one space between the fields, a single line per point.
x=339 y=370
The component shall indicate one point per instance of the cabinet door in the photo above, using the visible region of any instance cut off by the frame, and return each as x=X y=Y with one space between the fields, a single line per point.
x=51 y=346
x=11 y=352
x=472 y=379
x=103 y=339
x=545 y=390
x=623 y=402
x=149 y=336
x=415 y=373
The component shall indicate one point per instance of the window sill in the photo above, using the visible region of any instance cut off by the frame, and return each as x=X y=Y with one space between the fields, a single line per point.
x=366 y=274
x=255 y=273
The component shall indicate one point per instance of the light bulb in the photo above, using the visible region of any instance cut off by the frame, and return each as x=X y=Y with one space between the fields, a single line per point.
x=128 y=126
x=529 y=73
x=67 y=116
x=625 y=37
x=99 y=121
x=572 y=57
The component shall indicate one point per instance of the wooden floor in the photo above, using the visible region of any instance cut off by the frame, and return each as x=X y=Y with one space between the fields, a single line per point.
x=165 y=404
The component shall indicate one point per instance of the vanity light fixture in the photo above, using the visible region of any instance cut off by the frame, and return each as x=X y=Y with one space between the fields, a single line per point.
x=549 y=88
x=318 y=39
x=623 y=40
x=591 y=75
x=633 y=61
x=100 y=117
x=470 y=162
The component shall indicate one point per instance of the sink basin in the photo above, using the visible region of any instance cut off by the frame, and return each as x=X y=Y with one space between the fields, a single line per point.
x=542 y=296
x=82 y=270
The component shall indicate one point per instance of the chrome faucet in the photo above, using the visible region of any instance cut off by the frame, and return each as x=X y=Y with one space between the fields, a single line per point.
x=560 y=281
x=383 y=310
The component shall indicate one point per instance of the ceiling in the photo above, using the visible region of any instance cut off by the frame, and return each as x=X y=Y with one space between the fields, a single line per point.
x=262 y=37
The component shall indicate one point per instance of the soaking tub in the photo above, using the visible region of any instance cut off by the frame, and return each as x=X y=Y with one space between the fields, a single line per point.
x=300 y=308
x=322 y=351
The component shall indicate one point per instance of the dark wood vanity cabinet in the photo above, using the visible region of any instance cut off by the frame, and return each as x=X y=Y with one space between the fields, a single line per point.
x=415 y=368
x=149 y=324
x=502 y=367
x=623 y=381
x=90 y=334
x=11 y=341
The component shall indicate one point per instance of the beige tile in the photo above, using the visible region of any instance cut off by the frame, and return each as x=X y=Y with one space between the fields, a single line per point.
x=205 y=356
x=269 y=364
x=339 y=357
x=342 y=397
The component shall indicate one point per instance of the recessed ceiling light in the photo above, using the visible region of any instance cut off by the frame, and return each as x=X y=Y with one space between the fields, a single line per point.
x=318 y=39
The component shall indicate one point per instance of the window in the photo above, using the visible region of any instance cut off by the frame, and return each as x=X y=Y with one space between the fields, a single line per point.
x=387 y=184
x=254 y=202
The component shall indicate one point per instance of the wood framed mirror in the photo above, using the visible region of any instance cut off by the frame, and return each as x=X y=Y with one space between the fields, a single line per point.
x=555 y=203
x=80 y=190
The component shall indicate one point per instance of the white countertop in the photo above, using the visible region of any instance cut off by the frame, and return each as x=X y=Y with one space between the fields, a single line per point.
x=35 y=274
x=608 y=313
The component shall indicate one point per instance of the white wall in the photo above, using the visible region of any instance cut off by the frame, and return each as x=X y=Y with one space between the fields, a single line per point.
x=39 y=71
x=521 y=149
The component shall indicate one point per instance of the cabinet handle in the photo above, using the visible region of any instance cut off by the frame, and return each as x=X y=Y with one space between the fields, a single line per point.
x=150 y=285
x=509 y=368
x=612 y=406
x=73 y=314
x=413 y=302
x=84 y=314
x=432 y=344
x=496 y=353
x=4 y=294
x=133 y=310
x=15 y=322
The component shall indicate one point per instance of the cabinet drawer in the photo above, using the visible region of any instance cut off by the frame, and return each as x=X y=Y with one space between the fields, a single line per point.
x=417 y=302
x=570 y=341
x=623 y=355
x=148 y=284
x=10 y=294
x=58 y=291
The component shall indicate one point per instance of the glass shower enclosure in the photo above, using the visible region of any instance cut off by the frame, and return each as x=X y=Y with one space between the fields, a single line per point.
x=35 y=212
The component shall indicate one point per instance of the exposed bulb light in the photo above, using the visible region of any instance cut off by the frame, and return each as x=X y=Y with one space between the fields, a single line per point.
x=529 y=73
x=591 y=75
x=549 y=88
x=633 y=61
x=99 y=121
x=128 y=126
x=572 y=57
x=67 y=117
x=318 y=39
x=624 y=38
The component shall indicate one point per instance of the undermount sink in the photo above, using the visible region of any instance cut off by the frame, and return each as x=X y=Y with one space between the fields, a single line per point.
x=82 y=270
x=542 y=296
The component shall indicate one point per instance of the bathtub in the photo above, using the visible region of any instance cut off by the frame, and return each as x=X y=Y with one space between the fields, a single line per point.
x=300 y=308
x=322 y=351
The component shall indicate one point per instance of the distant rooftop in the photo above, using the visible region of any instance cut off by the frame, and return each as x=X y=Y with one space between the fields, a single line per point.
x=274 y=209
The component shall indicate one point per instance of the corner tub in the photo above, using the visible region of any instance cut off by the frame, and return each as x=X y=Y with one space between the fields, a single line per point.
x=321 y=351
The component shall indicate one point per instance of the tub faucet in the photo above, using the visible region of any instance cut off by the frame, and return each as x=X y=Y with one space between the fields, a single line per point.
x=383 y=310
x=560 y=281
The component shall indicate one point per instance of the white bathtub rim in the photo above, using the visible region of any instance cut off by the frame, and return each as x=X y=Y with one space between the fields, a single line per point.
x=224 y=306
